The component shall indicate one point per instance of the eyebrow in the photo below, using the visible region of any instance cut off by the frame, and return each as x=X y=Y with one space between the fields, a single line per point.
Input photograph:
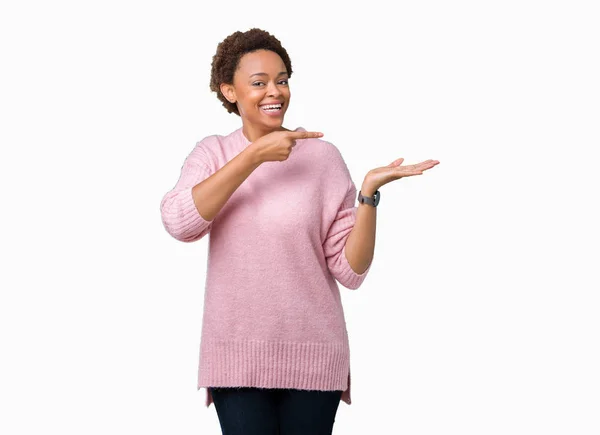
x=265 y=74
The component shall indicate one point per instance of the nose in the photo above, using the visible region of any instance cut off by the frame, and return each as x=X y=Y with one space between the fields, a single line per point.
x=273 y=90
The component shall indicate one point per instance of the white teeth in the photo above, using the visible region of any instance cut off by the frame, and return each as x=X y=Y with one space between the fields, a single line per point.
x=271 y=106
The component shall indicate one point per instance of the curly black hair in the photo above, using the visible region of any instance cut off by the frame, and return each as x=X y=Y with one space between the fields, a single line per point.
x=230 y=51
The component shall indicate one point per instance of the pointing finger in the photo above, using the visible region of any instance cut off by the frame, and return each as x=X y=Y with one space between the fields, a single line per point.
x=304 y=134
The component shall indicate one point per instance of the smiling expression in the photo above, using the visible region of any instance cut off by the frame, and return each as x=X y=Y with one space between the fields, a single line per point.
x=260 y=89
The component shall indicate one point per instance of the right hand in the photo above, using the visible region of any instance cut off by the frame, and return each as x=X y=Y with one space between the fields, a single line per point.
x=277 y=145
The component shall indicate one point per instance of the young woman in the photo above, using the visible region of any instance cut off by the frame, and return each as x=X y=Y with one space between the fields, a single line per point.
x=279 y=205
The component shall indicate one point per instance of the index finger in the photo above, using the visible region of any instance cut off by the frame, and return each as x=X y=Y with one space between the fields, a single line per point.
x=304 y=134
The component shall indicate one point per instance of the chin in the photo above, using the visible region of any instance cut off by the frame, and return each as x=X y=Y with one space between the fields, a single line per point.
x=276 y=122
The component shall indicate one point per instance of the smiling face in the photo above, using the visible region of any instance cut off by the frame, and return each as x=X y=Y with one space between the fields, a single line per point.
x=260 y=82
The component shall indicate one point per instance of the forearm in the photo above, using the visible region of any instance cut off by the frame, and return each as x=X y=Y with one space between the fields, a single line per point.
x=211 y=194
x=360 y=245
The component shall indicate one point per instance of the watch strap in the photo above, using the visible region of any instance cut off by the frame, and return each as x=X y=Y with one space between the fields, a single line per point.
x=373 y=201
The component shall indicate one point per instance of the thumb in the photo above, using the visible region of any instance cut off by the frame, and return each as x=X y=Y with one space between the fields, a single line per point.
x=396 y=162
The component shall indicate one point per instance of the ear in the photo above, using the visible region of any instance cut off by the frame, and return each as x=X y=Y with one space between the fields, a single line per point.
x=228 y=92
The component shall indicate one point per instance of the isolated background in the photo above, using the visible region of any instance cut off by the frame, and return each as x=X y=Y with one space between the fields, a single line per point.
x=480 y=313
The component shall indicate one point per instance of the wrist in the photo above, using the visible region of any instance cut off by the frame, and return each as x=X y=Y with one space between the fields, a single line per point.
x=368 y=189
x=253 y=155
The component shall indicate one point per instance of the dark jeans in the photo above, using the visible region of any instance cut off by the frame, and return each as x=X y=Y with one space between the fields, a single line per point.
x=275 y=411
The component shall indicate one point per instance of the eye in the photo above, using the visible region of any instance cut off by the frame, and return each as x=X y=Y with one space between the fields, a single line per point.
x=285 y=82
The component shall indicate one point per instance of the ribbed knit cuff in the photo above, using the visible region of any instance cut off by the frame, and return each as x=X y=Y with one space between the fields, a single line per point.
x=348 y=276
x=181 y=217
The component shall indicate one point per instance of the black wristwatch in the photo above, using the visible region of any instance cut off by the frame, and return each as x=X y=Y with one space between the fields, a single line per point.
x=369 y=200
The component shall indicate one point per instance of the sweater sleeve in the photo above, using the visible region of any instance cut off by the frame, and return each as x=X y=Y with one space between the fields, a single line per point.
x=179 y=214
x=335 y=243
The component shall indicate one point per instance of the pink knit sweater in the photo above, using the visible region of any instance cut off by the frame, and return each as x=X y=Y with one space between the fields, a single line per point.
x=273 y=316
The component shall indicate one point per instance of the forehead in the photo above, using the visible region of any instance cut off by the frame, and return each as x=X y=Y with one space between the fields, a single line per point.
x=260 y=61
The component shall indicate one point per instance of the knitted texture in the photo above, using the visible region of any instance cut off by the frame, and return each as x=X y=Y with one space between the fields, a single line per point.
x=273 y=315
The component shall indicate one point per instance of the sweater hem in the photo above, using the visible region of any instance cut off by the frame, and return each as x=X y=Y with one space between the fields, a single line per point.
x=274 y=364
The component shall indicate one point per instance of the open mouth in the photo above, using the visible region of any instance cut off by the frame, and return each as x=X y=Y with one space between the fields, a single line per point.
x=272 y=109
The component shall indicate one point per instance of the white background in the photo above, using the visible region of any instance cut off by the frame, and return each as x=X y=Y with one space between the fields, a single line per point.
x=480 y=313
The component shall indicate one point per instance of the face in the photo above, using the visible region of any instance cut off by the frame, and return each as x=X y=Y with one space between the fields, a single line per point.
x=261 y=79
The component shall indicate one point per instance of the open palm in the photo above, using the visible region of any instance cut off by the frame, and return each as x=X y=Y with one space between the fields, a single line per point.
x=395 y=170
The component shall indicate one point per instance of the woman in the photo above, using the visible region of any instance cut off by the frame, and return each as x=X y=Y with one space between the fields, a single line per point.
x=279 y=207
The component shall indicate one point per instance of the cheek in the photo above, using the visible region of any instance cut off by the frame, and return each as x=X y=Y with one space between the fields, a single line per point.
x=253 y=99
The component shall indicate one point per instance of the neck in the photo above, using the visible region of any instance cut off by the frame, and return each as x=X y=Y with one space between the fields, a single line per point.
x=254 y=132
